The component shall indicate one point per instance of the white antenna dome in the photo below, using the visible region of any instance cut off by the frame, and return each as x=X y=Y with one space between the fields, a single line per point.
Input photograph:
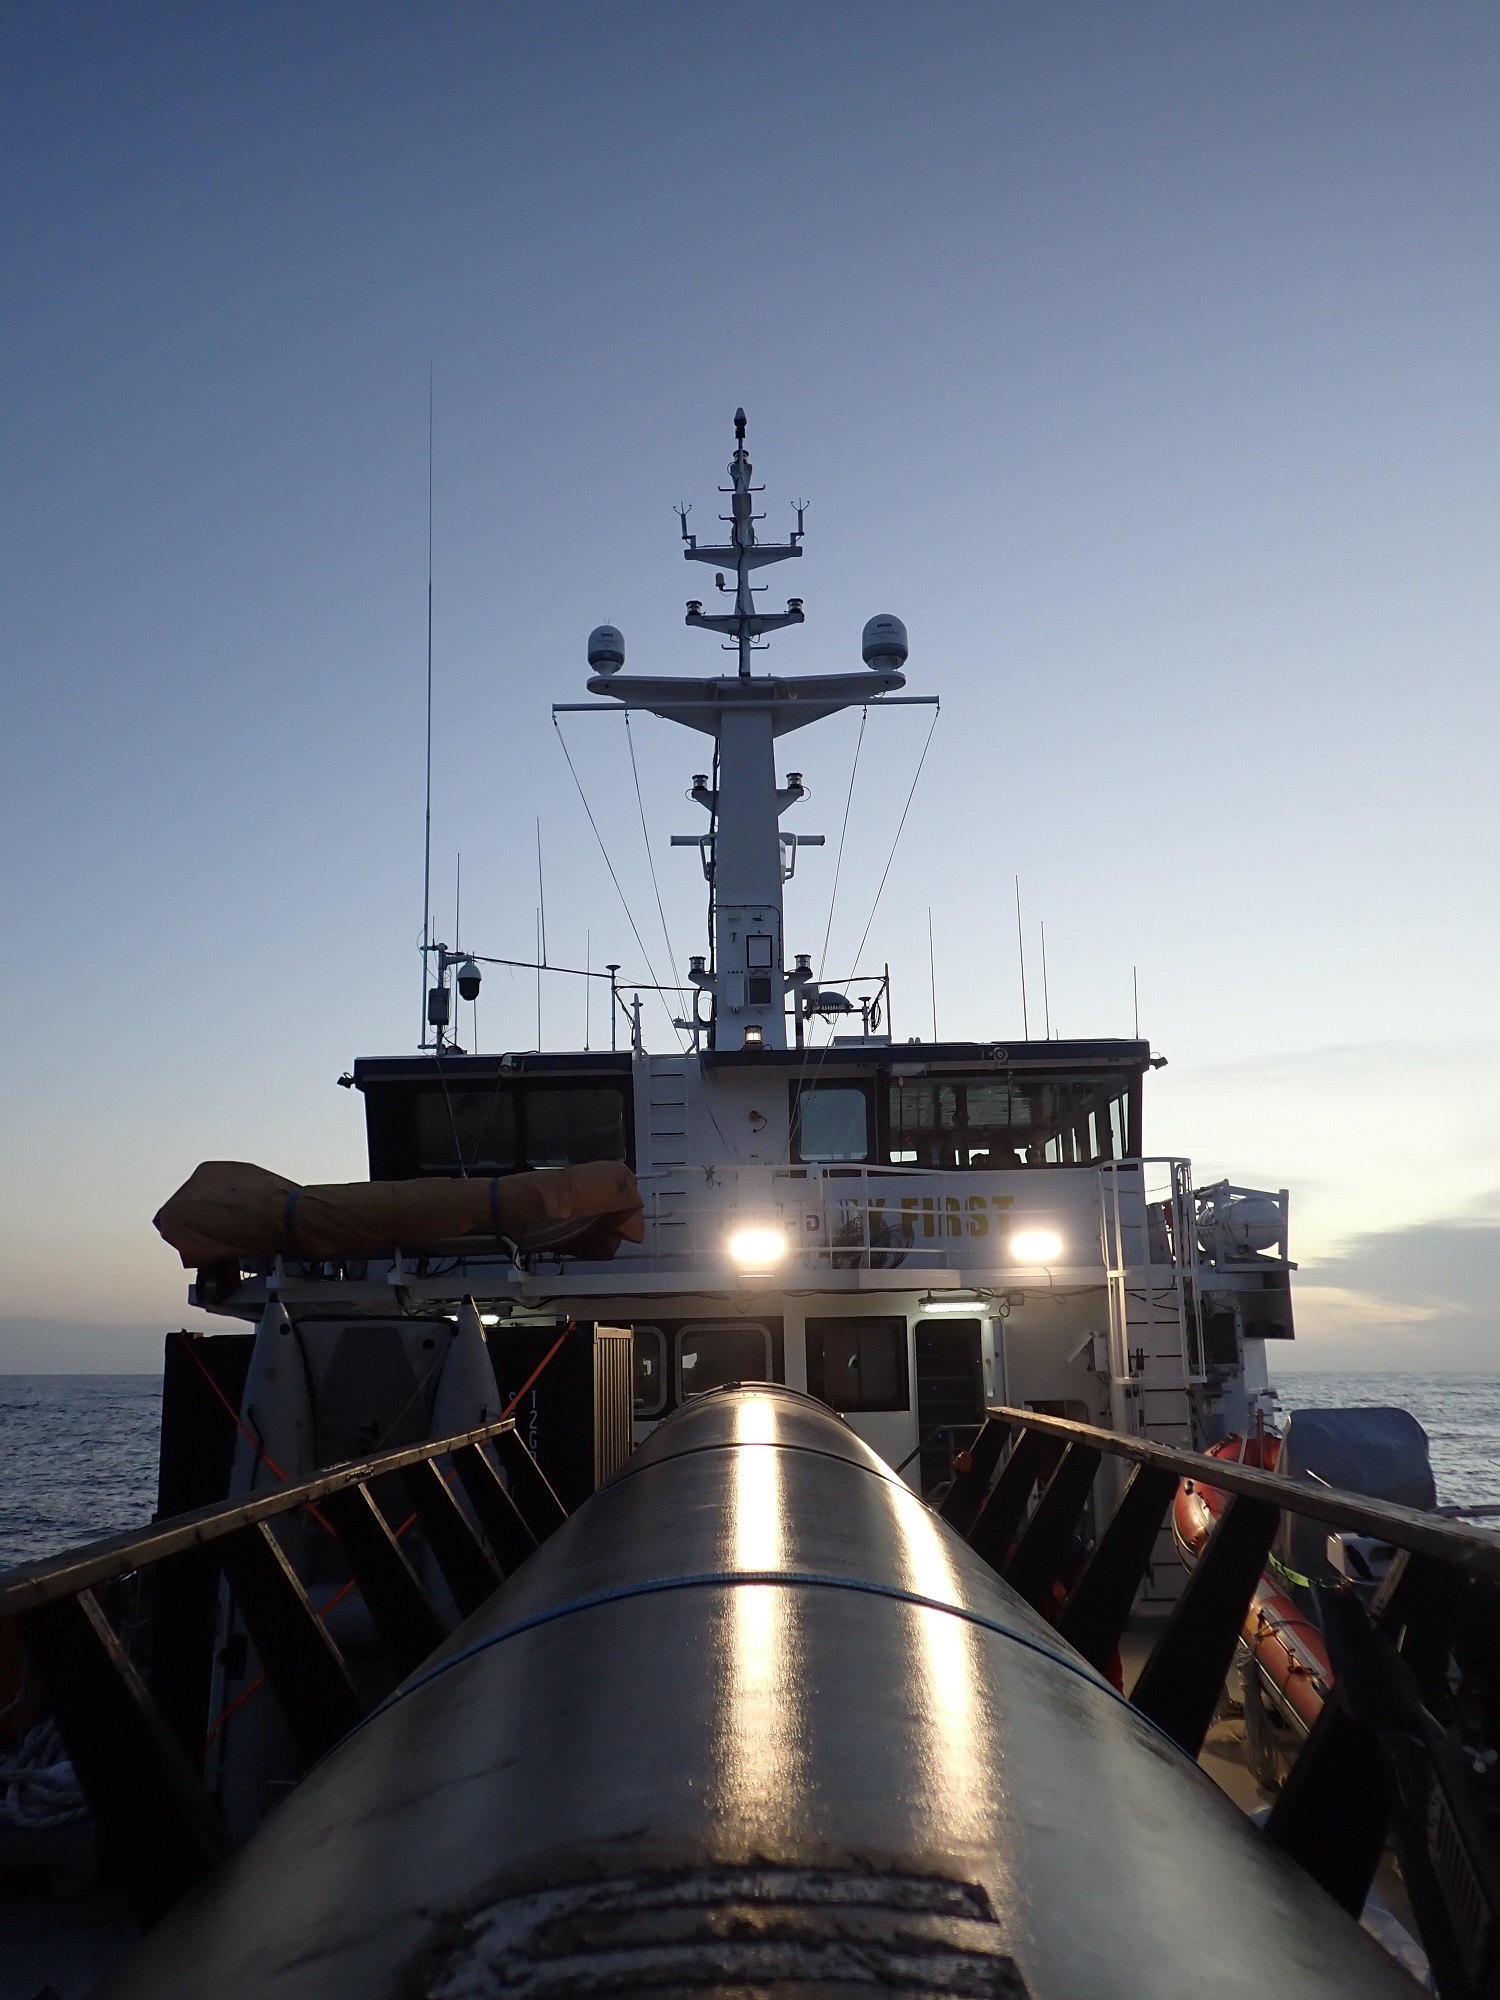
x=607 y=649
x=883 y=643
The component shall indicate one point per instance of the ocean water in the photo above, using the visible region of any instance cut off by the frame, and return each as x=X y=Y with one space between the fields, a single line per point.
x=78 y=1452
x=77 y=1459
x=1460 y=1414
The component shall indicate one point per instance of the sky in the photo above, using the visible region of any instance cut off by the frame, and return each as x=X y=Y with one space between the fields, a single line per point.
x=1144 y=361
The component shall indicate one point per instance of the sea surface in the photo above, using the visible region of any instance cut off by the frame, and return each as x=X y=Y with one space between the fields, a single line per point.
x=1460 y=1414
x=78 y=1452
x=77 y=1459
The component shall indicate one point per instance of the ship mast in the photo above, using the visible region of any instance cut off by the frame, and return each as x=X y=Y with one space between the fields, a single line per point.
x=746 y=855
x=743 y=554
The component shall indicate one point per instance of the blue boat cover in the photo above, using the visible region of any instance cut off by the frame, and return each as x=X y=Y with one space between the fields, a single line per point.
x=1381 y=1453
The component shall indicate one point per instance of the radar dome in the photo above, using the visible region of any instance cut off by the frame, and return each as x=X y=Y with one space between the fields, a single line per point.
x=883 y=643
x=607 y=649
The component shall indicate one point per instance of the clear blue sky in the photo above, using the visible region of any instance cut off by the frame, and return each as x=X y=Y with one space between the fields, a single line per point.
x=1143 y=359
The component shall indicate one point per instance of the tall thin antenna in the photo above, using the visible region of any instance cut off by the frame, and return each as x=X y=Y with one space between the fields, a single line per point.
x=458 y=886
x=1021 y=948
x=427 y=832
x=541 y=893
x=1136 y=994
x=539 y=981
x=1046 y=1001
x=932 y=971
x=588 y=983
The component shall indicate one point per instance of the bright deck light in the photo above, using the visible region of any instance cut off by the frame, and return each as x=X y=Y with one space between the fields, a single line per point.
x=757 y=1249
x=972 y=1305
x=1036 y=1246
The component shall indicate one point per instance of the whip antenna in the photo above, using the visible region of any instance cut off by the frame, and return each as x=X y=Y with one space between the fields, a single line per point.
x=1021 y=949
x=427 y=828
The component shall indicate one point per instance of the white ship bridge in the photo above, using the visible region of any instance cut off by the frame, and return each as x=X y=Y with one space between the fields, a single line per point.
x=908 y=1230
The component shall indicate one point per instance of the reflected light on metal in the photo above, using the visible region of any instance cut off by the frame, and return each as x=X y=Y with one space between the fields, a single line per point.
x=956 y=1743
x=757 y=1249
x=1036 y=1246
x=758 y=1744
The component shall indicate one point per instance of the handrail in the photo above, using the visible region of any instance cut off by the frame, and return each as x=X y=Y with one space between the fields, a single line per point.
x=1475 y=1549
x=29 y=1585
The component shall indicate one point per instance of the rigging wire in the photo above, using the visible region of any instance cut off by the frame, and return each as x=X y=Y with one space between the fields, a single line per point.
x=713 y=866
x=897 y=841
x=813 y=1056
x=650 y=859
x=635 y=929
x=864 y=716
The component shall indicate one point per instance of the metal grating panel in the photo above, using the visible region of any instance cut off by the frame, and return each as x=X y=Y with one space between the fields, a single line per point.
x=614 y=1389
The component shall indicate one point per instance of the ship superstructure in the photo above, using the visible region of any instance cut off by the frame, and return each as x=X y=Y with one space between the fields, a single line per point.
x=522 y=1704
x=907 y=1229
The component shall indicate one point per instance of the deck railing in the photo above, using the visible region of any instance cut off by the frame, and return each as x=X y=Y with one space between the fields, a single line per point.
x=1405 y=1745
x=852 y=1217
x=156 y=1822
x=1403 y=1748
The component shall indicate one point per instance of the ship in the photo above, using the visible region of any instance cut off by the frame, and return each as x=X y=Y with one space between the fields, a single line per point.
x=907 y=1229
x=672 y=1529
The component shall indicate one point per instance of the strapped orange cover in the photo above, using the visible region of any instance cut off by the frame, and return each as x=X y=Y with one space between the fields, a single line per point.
x=229 y=1208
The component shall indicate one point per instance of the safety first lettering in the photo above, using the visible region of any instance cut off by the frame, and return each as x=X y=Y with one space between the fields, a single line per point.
x=948 y=1215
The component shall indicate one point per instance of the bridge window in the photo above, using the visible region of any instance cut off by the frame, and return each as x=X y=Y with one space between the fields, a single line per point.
x=567 y=1128
x=831 y=1123
x=470 y=1129
x=1002 y=1122
x=858 y=1364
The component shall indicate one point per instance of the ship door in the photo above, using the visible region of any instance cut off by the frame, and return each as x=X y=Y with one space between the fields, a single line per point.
x=950 y=1393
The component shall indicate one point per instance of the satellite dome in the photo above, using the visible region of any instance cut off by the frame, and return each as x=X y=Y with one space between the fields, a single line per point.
x=883 y=643
x=607 y=649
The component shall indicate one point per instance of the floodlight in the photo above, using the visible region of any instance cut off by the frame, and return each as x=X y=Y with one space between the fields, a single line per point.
x=758 y=1248
x=1036 y=1246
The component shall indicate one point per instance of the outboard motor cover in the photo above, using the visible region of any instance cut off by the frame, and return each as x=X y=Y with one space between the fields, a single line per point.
x=1381 y=1453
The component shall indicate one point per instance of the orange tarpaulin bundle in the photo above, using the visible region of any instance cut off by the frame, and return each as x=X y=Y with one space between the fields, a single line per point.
x=228 y=1208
